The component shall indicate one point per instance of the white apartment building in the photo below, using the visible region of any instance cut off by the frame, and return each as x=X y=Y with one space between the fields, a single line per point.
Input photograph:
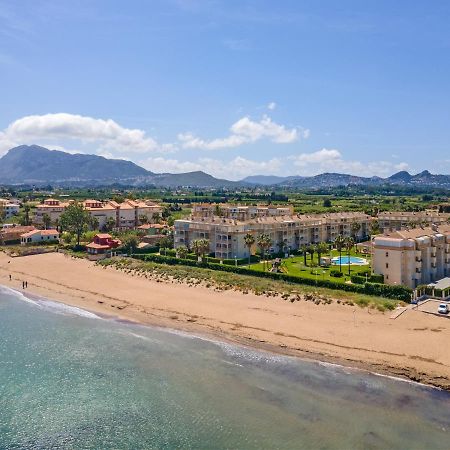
x=413 y=257
x=226 y=236
x=127 y=214
x=399 y=220
x=8 y=208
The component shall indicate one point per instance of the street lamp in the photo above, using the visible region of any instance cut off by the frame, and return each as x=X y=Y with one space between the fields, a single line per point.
x=235 y=261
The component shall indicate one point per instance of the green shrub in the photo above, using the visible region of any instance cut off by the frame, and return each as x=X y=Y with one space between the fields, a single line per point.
x=336 y=273
x=380 y=290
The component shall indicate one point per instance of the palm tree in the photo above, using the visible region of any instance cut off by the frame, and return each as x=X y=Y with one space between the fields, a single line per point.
x=339 y=243
x=321 y=248
x=182 y=252
x=264 y=243
x=46 y=220
x=304 y=252
x=26 y=209
x=374 y=227
x=249 y=241
x=349 y=243
x=311 y=251
x=200 y=247
x=355 y=227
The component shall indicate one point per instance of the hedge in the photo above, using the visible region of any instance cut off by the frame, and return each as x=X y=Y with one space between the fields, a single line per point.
x=375 y=278
x=211 y=259
x=381 y=290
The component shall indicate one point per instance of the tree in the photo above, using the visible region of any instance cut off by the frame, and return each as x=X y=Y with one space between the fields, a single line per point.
x=304 y=252
x=109 y=224
x=94 y=223
x=264 y=243
x=339 y=243
x=143 y=219
x=182 y=251
x=349 y=243
x=200 y=247
x=75 y=219
x=374 y=227
x=166 y=242
x=249 y=241
x=327 y=203
x=26 y=210
x=355 y=227
x=311 y=251
x=46 y=220
x=321 y=248
x=130 y=243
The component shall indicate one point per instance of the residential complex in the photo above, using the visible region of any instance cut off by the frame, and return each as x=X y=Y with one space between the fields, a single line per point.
x=226 y=235
x=413 y=257
x=8 y=208
x=239 y=212
x=128 y=214
x=399 y=220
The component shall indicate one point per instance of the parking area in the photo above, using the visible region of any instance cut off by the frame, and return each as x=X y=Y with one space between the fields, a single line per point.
x=430 y=306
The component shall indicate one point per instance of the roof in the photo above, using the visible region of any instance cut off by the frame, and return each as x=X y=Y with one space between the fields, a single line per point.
x=18 y=229
x=103 y=236
x=98 y=246
x=441 y=284
x=41 y=232
x=416 y=233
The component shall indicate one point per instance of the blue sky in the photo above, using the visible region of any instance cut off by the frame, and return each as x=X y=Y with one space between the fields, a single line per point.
x=234 y=88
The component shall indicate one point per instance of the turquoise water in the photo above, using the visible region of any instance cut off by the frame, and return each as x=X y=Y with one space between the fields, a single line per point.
x=70 y=380
x=349 y=259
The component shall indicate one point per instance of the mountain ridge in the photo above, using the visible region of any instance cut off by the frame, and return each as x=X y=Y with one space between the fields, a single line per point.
x=33 y=164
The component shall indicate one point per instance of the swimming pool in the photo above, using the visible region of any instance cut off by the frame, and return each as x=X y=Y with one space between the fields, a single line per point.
x=353 y=260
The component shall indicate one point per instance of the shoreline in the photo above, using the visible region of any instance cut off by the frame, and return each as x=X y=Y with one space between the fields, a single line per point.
x=335 y=334
x=266 y=348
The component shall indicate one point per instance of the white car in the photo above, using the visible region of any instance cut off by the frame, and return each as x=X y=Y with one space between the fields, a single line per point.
x=443 y=308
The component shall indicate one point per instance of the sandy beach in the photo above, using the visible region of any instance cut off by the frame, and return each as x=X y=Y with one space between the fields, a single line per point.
x=414 y=345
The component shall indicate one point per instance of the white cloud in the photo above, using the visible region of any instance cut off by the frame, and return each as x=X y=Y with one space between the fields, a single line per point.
x=271 y=106
x=246 y=131
x=107 y=134
x=235 y=169
x=331 y=160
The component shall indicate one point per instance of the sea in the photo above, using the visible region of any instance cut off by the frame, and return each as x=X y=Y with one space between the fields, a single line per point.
x=70 y=379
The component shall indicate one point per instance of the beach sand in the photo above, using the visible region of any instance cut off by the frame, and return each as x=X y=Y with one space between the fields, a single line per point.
x=415 y=345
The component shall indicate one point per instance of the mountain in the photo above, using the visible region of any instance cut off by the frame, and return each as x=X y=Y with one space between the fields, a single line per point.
x=29 y=164
x=266 y=180
x=32 y=164
x=422 y=179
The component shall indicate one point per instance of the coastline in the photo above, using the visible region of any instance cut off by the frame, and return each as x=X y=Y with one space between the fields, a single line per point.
x=410 y=347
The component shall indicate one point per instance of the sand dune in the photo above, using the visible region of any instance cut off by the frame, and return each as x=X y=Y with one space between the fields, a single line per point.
x=414 y=345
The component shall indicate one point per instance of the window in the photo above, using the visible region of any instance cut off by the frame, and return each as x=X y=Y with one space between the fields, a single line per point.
x=387 y=277
x=387 y=265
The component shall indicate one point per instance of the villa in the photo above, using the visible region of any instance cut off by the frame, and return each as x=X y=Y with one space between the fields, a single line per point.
x=39 y=236
x=8 y=208
x=101 y=245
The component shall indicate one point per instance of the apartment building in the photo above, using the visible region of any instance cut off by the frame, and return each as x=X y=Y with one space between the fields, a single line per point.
x=240 y=212
x=226 y=235
x=128 y=214
x=8 y=208
x=413 y=257
x=398 y=220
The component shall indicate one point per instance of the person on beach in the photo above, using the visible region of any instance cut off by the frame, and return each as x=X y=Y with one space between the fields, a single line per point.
x=26 y=284
x=9 y=277
x=23 y=284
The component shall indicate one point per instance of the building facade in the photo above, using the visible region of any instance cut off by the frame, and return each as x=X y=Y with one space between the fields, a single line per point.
x=413 y=257
x=128 y=214
x=8 y=208
x=36 y=236
x=399 y=220
x=287 y=233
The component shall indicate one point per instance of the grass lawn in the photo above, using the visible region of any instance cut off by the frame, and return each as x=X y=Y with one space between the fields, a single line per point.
x=295 y=266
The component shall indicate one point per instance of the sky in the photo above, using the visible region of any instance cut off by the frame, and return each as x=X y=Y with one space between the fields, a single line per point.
x=231 y=87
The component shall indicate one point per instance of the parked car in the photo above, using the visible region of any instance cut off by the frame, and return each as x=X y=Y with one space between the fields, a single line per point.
x=443 y=308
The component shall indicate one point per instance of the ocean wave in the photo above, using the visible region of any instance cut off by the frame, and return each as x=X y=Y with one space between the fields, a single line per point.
x=49 y=305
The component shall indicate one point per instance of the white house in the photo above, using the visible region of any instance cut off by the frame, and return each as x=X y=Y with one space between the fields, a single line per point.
x=39 y=236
